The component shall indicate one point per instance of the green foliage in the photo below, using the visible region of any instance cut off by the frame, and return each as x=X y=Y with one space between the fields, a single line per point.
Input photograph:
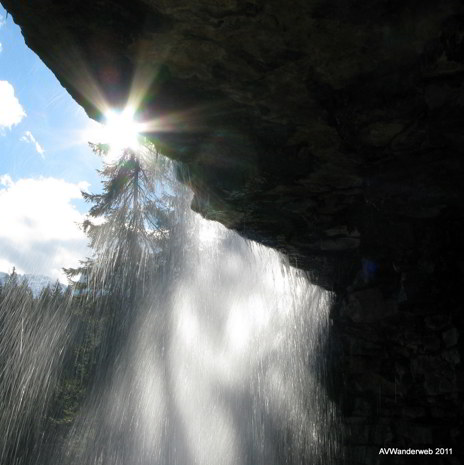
x=69 y=397
x=127 y=223
x=31 y=327
x=128 y=227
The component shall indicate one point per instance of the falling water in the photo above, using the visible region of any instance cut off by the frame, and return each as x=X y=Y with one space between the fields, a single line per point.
x=223 y=365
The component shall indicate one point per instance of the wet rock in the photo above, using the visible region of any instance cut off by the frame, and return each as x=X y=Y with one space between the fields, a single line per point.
x=450 y=337
x=359 y=433
x=362 y=408
x=431 y=343
x=381 y=435
x=414 y=434
x=452 y=356
x=414 y=412
x=438 y=321
x=369 y=305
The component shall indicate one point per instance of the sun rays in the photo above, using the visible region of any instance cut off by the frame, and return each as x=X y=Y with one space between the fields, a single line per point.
x=136 y=111
x=121 y=130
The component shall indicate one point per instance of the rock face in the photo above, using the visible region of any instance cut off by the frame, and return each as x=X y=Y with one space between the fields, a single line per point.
x=330 y=130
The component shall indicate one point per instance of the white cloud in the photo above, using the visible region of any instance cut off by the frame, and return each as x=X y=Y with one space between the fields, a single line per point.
x=11 y=111
x=39 y=230
x=7 y=267
x=5 y=180
x=30 y=139
x=1 y=47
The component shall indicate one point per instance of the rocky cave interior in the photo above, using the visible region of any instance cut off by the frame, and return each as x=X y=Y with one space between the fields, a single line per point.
x=329 y=130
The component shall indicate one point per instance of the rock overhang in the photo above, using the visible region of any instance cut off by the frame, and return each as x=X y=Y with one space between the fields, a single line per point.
x=295 y=125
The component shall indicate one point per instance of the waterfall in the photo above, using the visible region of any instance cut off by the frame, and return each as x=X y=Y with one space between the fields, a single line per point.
x=223 y=364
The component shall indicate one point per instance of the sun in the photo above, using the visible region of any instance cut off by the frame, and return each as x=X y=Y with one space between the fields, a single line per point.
x=120 y=130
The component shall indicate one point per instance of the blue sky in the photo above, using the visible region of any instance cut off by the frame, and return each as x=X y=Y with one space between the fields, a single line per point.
x=44 y=163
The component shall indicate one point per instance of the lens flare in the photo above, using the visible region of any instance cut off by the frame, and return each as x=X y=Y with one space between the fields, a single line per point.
x=121 y=131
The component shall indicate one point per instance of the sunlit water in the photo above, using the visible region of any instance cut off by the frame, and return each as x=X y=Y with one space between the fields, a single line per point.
x=223 y=366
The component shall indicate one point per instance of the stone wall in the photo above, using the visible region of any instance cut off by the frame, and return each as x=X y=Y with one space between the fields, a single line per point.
x=399 y=330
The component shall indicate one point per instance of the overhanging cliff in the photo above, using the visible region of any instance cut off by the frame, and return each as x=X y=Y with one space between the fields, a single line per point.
x=294 y=121
x=330 y=130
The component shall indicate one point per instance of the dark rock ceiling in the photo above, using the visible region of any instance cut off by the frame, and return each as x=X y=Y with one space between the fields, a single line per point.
x=294 y=121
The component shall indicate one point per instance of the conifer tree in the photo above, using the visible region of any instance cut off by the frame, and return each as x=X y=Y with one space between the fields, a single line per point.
x=33 y=334
x=128 y=226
